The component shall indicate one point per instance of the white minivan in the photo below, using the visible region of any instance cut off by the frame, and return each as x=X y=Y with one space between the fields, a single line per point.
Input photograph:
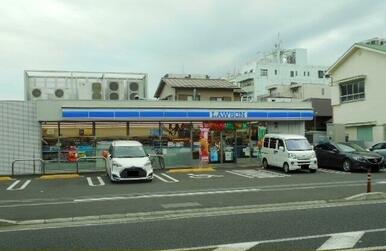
x=127 y=160
x=290 y=152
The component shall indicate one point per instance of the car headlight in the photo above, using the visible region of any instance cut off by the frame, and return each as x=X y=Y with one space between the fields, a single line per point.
x=359 y=158
x=148 y=164
x=313 y=155
x=292 y=156
x=116 y=164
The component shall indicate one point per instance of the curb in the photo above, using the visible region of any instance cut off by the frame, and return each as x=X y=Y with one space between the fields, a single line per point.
x=59 y=176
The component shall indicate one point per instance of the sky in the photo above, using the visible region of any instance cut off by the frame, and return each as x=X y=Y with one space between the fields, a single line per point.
x=214 y=37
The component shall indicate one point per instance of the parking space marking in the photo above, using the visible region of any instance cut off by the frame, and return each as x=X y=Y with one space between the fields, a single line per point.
x=239 y=174
x=332 y=171
x=166 y=178
x=91 y=184
x=341 y=241
x=336 y=241
x=261 y=174
x=204 y=176
x=14 y=184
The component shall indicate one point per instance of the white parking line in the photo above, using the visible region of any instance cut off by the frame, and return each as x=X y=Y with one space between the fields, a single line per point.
x=237 y=246
x=14 y=184
x=166 y=178
x=261 y=174
x=336 y=240
x=341 y=241
x=90 y=183
x=169 y=177
x=239 y=174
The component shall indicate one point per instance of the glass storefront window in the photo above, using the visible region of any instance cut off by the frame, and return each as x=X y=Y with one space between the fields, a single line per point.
x=50 y=149
x=112 y=130
x=148 y=133
x=177 y=143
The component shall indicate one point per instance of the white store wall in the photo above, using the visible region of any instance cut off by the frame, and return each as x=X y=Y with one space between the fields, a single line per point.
x=20 y=136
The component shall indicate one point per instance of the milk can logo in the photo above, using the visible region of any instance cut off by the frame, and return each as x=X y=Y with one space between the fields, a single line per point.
x=228 y=115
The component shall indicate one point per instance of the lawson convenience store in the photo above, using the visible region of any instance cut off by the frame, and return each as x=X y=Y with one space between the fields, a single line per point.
x=170 y=128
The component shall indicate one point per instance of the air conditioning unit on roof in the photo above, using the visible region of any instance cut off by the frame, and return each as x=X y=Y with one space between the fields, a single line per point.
x=135 y=89
x=114 y=90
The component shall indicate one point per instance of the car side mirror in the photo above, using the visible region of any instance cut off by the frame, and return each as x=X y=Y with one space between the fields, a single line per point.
x=370 y=149
x=335 y=150
x=281 y=148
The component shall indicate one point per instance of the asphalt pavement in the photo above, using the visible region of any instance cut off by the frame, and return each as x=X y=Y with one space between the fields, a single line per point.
x=241 y=207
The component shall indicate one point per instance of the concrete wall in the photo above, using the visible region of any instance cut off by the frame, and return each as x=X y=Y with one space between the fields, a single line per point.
x=286 y=127
x=370 y=110
x=20 y=136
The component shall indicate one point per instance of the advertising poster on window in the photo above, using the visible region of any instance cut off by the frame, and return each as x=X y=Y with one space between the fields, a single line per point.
x=204 y=145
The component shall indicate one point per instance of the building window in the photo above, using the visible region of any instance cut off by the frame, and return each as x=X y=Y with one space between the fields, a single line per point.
x=246 y=83
x=292 y=74
x=323 y=91
x=320 y=74
x=351 y=91
x=275 y=72
x=304 y=73
x=264 y=72
x=220 y=99
x=296 y=73
x=308 y=74
x=250 y=71
x=183 y=97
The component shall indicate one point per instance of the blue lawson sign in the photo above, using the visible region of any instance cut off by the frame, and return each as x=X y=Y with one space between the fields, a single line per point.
x=93 y=114
x=228 y=115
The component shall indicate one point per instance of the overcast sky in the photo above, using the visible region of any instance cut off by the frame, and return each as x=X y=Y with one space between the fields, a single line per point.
x=173 y=36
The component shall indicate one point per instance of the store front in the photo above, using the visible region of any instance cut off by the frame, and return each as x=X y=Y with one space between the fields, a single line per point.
x=230 y=133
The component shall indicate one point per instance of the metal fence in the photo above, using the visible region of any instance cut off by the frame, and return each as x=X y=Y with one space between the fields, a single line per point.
x=81 y=165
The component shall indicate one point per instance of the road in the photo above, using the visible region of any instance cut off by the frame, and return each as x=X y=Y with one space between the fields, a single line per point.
x=243 y=208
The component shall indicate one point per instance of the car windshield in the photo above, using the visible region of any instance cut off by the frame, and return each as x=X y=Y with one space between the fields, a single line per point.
x=129 y=152
x=349 y=147
x=298 y=145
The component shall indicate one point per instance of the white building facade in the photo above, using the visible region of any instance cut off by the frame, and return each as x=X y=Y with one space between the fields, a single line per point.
x=358 y=91
x=296 y=92
x=278 y=67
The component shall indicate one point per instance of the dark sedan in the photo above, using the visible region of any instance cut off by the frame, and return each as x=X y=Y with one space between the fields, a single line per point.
x=348 y=157
x=379 y=148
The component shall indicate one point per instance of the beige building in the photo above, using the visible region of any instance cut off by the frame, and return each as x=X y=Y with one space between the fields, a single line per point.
x=179 y=87
x=358 y=80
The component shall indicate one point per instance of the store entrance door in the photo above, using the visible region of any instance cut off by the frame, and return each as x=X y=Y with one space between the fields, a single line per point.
x=222 y=146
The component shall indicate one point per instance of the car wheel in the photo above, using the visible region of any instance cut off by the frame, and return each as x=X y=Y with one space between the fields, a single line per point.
x=265 y=164
x=346 y=166
x=312 y=170
x=286 y=167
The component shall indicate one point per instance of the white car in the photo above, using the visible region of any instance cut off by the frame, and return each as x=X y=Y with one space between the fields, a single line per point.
x=290 y=152
x=127 y=160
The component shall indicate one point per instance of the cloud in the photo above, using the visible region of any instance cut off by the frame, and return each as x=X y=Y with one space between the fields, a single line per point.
x=157 y=37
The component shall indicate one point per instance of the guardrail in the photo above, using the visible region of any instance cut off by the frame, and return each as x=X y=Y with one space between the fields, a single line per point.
x=90 y=158
x=160 y=159
x=33 y=161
